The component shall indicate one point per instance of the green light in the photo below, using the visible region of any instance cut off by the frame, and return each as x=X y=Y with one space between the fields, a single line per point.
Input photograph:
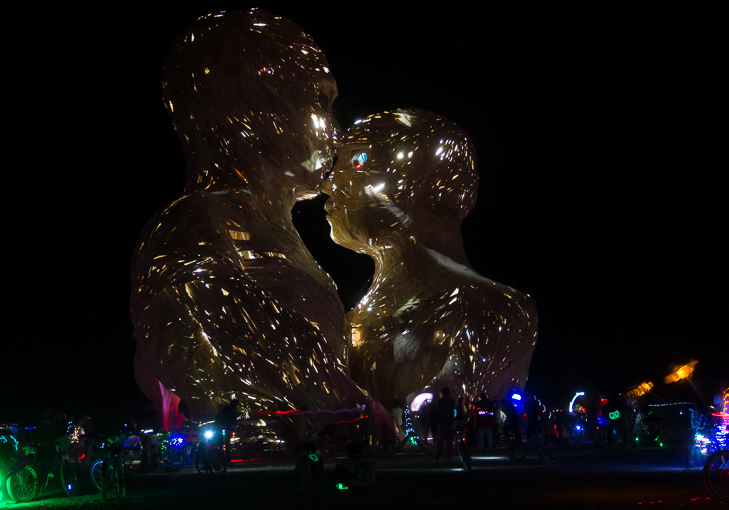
x=342 y=486
x=614 y=415
x=313 y=457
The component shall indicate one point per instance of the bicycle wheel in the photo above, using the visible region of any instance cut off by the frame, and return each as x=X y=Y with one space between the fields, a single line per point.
x=576 y=433
x=509 y=445
x=464 y=455
x=168 y=455
x=69 y=480
x=716 y=475
x=102 y=477
x=23 y=485
x=96 y=473
x=599 y=434
x=82 y=458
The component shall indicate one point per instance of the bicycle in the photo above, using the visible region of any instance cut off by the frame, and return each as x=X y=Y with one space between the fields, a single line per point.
x=463 y=450
x=577 y=430
x=514 y=449
x=22 y=483
x=597 y=430
x=107 y=473
x=132 y=449
x=87 y=449
x=716 y=475
x=175 y=447
x=208 y=453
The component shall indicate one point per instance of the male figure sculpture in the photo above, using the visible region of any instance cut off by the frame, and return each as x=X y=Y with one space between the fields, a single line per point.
x=227 y=302
x=402 y=185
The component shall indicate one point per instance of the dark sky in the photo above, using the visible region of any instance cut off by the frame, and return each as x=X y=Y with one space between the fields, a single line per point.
x=602 y=143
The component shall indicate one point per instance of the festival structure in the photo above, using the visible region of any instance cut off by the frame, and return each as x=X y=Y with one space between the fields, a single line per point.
x=227 y=302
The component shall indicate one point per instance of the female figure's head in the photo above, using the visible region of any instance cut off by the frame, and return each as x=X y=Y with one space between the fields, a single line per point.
x=250 y=96
x=402 y=170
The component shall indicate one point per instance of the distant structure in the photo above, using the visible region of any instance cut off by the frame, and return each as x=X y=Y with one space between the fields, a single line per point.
x=402 y=185
x=227 y=302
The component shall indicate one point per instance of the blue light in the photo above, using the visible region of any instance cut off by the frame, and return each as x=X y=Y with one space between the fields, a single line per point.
x=516 y=396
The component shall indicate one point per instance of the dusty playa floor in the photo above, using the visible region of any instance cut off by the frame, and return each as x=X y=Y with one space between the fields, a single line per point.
x=587 y=477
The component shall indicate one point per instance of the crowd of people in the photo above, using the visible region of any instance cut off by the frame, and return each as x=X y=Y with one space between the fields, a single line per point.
x=482 y=423
x=615 y=419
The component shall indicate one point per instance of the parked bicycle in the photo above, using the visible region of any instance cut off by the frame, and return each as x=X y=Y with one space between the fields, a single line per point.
x=175 y=448
x=107 y=473
x=515 y=448
x=716 y=475
x=22 y=482
x=86 y=452
x=132 y=449
x=597 y=430
x=577 y=429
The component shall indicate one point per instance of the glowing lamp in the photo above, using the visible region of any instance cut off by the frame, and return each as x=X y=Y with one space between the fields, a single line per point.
x=681 y=372
x=572 y=403
x=639 y=390
x=418 y=401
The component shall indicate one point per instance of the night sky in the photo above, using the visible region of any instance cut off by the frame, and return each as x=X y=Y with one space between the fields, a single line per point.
x=601 y=136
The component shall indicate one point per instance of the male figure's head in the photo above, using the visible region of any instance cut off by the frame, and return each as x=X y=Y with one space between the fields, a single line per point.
x=250 y=97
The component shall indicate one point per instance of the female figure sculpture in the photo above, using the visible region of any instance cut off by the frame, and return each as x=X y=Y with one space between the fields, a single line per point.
x=402 y=185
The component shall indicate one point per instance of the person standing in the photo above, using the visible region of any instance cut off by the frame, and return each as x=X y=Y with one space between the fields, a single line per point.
x=424 y=420
x=397 y=416
x=225 y=423
x=485 y=422
x=445 y=412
